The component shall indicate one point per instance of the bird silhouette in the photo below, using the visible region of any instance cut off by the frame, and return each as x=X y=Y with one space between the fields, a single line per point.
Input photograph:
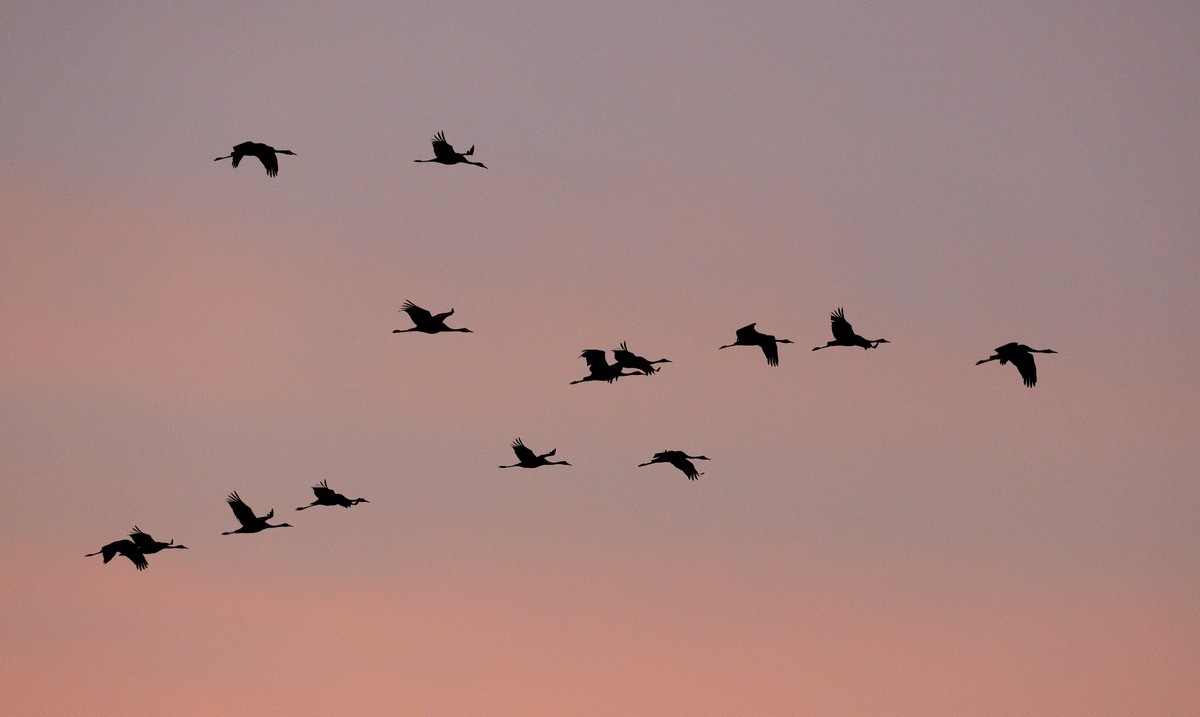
x=251 y=523
x=123 y=547
x=326 y=496
x=680 y=460
x=843 y=334
x=148 y=545
x=1020 y=356
x=443 y=153
x=265 y=153
x=599 y=368
x=528 y=459
x=749 y=336
x=627 y=359
x=426 y=322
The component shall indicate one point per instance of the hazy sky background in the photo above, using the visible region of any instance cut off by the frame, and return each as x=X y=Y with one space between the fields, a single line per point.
x=889 y=532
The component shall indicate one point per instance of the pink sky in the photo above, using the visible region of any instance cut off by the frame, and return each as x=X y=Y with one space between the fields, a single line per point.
x=892 y=532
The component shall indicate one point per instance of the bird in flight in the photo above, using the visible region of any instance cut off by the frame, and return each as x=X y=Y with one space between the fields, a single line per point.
x=326 y=496
x=528 y=459
x=1020 y=356
x=599 y=369
x=148 y=545
x=627 y=359
x=749 y=336
x=251 y=523
x=123 y=547
x=843 y=334
x=265 y=153
x=680 y=460
x=426 y=322
x=443 y=153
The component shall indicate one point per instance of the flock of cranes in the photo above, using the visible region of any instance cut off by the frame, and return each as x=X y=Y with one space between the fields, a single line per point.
x=625 y=363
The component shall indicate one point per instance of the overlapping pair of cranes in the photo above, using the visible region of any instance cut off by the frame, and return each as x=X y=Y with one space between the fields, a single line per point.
x=139 y=544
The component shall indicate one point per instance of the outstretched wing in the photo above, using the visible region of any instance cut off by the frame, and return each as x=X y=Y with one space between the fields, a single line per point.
x=770 y=350
x=241 y=511
x=842 y=330
x=688 y=468
x=127 y=548
x=595 y=360
x=141 y=539
x=623 y=355
x=323 y=491
x=241 y=150
x=416 y=313
x=523 y=453
x=748 y=334
x=135 y=556
x=442 y=148
x=269 y=160
x=1026 y=366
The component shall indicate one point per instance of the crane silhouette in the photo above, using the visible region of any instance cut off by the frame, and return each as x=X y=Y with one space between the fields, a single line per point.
x=123 y=547
x=599 y=368
x=265 y=153
x=528 y=459
x=843 y=334
x=148 y=545
x=426 y=322
x=680 y=460
x=1020 y=356
x=749 y=336
x=326 y=496
x=627 y=359
x=443 y=153
x=251 y=523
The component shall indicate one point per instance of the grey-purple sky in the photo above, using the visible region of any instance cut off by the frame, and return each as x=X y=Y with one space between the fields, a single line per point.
x=895 y=531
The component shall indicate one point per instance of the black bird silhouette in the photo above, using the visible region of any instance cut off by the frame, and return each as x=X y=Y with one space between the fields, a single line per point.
x=265 y=153
x=599 y=367
x=528 y=459
x=843 y=334
x=749 y=336
x=680 y=460
x=627 y=359
x=426 y=322
x=148 y=545
x=326 y=496
x=1021 y=356
x=251 y=523
x=123 y=547
x=443 y=153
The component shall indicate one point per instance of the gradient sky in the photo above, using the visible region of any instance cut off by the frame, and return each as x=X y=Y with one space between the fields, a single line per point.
x=893 y=532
